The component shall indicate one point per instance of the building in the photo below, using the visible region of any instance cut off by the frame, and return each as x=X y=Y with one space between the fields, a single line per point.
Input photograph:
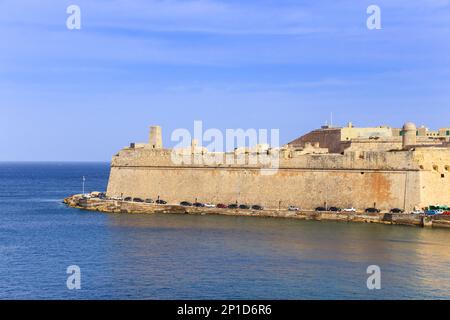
x=379 y=167
x=382 y=138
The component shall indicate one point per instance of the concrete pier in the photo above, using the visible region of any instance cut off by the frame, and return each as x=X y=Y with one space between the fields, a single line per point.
x=121 y=207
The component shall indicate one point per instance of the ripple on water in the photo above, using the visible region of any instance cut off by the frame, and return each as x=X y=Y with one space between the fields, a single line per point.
x=198 y=257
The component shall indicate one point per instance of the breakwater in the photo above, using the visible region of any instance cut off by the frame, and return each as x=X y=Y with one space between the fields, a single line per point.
x=127 y=207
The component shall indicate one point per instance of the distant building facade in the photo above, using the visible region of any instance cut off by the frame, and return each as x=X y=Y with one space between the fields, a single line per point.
x=382 y=138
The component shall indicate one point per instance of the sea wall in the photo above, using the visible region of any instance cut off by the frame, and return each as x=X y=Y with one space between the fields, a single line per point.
x=434 y=164
x=397 y=179
x=304 y=188
x=358 y=179
x=123 y=207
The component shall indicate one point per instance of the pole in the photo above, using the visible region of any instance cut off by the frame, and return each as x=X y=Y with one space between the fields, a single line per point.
x=84 y=179
x=326 y=192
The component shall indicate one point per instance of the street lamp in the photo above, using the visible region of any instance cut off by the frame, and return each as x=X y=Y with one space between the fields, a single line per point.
x=84 y=179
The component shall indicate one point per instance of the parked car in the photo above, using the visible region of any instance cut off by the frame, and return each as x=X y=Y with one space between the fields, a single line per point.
x=198 y=205
x=233 y=206
x=149 y=201
x=128 y=199
x=83 y=200
x=439 y=208
x=418 y=212
x=160 y=201
x=293 y=208
x=321 y=209
x=335 y=209
x=257 y=207
x=209 y=205
x=137 y=200
x=185 y=204
x=222 y=206
x=447 y=213
x=102 y=195
x=372 y=210
x=397 y=210
x=433 y=212
x=349 y=209
x=244 y=207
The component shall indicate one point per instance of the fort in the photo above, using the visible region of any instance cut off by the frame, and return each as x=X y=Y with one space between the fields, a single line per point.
x=380 y=167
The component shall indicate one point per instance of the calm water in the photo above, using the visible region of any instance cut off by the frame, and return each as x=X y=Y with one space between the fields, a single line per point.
x=197 y=257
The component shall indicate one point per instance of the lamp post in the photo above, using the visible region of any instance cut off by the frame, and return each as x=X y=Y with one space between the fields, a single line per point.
x=326 y=198
x=84 y=179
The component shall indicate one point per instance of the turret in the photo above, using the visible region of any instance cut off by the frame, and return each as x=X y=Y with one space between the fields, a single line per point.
x=155 y=139
x=409 y=135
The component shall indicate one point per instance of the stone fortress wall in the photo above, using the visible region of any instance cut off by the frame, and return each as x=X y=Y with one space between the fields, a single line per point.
x=408 y=176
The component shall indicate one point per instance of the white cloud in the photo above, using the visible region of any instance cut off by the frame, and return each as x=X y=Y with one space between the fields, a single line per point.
x=205 y=16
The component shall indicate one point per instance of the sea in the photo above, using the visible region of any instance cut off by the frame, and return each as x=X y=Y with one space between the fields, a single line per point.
x=171 y=256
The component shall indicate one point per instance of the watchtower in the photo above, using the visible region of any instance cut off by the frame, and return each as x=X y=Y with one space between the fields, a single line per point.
x=155 y=138
x=409 y=135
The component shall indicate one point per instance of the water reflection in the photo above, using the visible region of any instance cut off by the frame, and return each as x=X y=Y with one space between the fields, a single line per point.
x=243 y=257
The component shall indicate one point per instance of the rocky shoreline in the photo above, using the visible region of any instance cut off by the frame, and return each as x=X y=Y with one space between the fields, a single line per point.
x=120 y=207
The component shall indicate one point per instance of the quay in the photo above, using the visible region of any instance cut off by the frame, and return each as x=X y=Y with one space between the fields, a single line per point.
x=128 y=207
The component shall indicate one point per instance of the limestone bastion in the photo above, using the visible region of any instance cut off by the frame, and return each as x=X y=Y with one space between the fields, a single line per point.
x=382 y=167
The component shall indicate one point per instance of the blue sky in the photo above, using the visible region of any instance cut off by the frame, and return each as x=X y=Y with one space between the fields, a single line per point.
x=84 y=94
